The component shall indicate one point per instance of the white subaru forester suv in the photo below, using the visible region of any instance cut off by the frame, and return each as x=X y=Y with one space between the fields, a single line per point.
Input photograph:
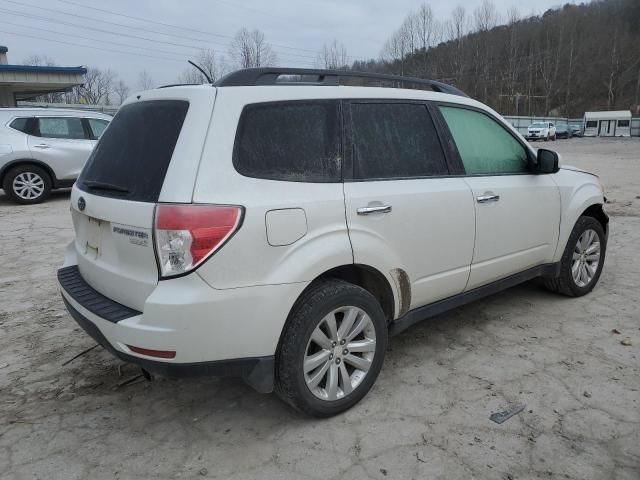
x=280 y=226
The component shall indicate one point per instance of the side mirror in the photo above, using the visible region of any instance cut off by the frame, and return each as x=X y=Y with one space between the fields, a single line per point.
x=548 y=161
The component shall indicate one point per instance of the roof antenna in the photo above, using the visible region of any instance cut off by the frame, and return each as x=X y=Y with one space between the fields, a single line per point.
x=201 y=70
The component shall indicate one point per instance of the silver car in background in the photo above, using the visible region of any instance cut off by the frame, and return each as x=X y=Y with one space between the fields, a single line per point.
x=43 y=149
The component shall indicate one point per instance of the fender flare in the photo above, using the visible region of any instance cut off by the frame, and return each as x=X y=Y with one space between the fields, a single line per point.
x=28 y=161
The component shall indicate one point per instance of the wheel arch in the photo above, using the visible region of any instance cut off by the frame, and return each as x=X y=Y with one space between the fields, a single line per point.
x=598 y=212
x=369 y=278
x=27 y=161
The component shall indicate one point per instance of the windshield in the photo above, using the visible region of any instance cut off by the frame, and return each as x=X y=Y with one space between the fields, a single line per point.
x=538 y=125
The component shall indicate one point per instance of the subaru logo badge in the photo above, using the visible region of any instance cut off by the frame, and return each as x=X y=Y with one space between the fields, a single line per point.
x=81 y=204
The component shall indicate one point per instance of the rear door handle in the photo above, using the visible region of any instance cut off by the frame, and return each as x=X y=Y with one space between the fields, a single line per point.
x=42 y=145
x=487 y=198
x=370 y=210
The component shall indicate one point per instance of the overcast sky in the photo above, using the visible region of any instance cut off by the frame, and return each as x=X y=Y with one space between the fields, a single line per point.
x=297 y=29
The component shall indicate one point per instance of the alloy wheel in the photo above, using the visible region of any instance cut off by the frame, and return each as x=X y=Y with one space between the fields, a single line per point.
x=28 y=185
x=339 y=353
x=586 y=258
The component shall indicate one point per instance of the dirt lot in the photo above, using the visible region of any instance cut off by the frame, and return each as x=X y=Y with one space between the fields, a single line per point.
x=427 y=416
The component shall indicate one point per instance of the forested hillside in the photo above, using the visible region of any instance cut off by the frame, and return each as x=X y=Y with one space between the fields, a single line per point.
x=564 y=62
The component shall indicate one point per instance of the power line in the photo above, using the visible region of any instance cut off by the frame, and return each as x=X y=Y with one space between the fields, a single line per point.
x=84 y=17
x=93 y=39
x=87 y=46
x=190 y=29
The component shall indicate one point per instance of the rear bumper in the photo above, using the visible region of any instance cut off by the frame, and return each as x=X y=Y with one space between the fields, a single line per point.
x=231 y=332
x=257 y=372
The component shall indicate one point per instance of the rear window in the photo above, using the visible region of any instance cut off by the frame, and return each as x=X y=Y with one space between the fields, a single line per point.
x=20 y=124
x=131 y=159
x=395 y=140
x=290 y=141
x=68 y=128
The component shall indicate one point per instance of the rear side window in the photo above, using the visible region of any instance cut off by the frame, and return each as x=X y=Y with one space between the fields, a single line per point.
x=63 y=127
x=20 y=124
x=395 y=140
x=97 y=127
x=290 y=141
x=485 y=147
x=131 y=159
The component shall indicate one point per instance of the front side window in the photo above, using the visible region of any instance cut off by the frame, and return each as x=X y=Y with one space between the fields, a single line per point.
x=289 y=141
x=97 y=127
x=395 y=140
x=63 y=127
x=485 y=147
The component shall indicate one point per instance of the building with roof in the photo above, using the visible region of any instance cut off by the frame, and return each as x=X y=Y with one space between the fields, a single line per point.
x=607 y=124
x=24 y=82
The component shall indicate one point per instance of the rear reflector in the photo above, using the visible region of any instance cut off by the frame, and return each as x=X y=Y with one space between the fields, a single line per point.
x=186 y=235
x=152 y=353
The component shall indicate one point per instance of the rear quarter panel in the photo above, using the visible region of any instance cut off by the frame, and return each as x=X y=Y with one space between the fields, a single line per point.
x=249 y=259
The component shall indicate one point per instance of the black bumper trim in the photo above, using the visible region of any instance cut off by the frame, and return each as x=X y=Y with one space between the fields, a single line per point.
x=258 y=372
x=72 y=282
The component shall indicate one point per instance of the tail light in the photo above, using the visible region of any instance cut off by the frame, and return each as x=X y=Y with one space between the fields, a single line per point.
x=186 y=235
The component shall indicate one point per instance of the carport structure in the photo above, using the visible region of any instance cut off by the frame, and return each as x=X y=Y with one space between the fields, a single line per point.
x=23 y=82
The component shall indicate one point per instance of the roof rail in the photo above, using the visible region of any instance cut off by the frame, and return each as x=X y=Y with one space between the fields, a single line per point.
x=309 y=76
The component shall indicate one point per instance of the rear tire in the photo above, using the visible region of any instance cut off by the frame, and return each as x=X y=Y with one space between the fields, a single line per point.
x=323 y=367
x=27 y=184
x=578 y=271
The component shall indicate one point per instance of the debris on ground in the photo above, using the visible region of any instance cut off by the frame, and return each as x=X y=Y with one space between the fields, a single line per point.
x=615 y=331
x=130 y=381
x=587 y=394
x=626 y=342
x=203 y=471
x=501 y=417
x=79 y=355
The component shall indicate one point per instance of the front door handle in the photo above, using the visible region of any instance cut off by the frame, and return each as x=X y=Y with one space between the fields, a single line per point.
x=487 y=198
x=370 y=210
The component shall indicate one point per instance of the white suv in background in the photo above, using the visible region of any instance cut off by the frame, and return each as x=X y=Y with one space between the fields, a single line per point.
x=541 y=131
x=280 y=226
x=42 y=149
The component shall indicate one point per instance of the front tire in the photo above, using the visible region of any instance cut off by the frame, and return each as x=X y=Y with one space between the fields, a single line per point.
x=331 y=349
x=582 y=260
x=27 y=184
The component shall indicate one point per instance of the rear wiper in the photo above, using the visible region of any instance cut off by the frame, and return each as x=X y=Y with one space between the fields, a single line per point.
x=94 y=185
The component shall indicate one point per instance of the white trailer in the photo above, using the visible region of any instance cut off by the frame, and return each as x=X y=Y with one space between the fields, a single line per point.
x=607 y=124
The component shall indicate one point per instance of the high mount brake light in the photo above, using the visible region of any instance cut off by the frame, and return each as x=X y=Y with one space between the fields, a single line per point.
x=186 y=234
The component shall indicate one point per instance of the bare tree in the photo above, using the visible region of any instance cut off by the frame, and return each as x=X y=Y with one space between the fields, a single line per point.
x=122 y=90
x=39 y=61
x=396 y=49
x=428 y=32
x=485 y=16
x=333 y=56
x=98 y=85
x=145 y=82
x=250 y=49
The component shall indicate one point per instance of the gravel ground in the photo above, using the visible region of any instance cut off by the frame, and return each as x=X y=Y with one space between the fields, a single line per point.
x=426 y=417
